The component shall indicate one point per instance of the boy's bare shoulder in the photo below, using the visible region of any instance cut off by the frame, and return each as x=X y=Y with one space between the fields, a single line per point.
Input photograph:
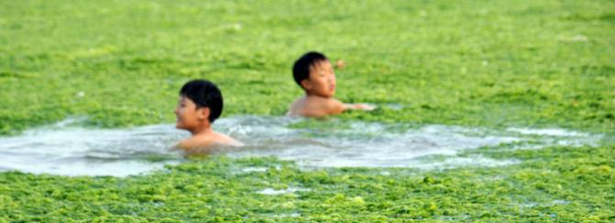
x=223 y=139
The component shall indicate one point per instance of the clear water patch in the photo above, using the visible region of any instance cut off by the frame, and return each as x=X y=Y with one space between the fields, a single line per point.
x=66 y=148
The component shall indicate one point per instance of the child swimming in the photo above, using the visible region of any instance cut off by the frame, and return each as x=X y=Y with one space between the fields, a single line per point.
x=200 y=104
x=314 y=74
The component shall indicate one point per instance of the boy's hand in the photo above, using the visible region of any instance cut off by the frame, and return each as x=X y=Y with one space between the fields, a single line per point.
x=364 y=107
x=340 y=64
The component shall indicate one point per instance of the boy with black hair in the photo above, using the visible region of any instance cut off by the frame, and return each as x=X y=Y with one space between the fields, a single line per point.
x=200 y=104
x=313 y=72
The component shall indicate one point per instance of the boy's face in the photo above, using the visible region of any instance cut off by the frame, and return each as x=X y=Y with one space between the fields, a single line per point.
x=188 y=116
x=321 y=81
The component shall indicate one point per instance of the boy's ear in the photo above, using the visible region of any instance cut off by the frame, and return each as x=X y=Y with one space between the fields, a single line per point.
x=203 y=113
x=306 y=84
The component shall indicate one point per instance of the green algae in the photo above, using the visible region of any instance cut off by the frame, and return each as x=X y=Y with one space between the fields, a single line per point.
x=472 y=63
x=464 y=63
x=566 y=185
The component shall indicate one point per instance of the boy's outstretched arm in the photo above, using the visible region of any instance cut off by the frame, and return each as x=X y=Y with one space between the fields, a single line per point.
x=359 y=106
x=335 y=107
x=328 y=107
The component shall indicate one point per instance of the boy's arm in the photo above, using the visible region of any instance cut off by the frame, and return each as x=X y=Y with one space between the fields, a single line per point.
x=333 y=107
x=359 y=106
x=336 y=107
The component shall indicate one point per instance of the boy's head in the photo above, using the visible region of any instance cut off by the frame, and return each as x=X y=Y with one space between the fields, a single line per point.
x=313 y=72
x=200 y=100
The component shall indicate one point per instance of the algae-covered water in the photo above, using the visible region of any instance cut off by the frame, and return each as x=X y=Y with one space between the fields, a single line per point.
x=65 y=148
x=488 y=111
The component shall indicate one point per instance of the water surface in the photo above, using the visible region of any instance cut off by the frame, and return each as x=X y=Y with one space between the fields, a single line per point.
x=67 y=148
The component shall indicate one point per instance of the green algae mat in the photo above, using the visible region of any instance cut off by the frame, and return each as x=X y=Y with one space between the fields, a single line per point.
x=487 y=64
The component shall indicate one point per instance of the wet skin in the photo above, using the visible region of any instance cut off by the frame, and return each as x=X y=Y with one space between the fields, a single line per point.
x=319 y=100
x=195 y=120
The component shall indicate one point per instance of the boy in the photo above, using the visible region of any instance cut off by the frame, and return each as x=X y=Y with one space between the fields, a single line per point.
x=200 y=104
x=313 y=73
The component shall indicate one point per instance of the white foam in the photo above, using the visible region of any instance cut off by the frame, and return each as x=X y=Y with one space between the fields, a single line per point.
x=254 y=169
x=67 y=149
x=558 y=137
x=547 y=132
x=369 y=145
x=290 y=190
x=289 y=215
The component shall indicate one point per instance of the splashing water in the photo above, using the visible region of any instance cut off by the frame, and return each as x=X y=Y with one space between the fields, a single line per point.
x=67 y=149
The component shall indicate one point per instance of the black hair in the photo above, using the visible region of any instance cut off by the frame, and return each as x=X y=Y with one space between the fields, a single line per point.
x=301 y=69
x=204 y=94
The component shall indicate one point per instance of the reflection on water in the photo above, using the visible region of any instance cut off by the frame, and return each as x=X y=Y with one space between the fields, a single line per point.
x=67 y=149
